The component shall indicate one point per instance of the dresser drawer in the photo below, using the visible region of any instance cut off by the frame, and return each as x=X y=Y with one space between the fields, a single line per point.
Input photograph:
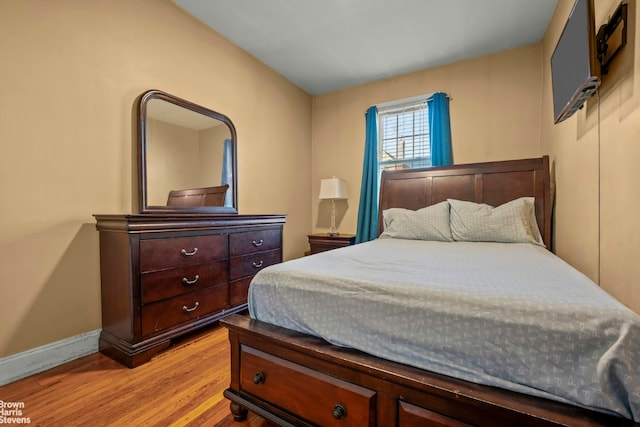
x=156 y=254
x=238 y=291
x=172 y=312
x=249 y=265
x=254 y=241
x=318 y=398
x=414 y=416
x=162 y=284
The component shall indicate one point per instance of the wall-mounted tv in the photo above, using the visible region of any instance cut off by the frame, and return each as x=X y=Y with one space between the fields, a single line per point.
x=575 y=70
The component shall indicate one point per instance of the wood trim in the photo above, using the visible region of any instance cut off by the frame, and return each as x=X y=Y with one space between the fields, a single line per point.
x=188 y=222
x=41 y=358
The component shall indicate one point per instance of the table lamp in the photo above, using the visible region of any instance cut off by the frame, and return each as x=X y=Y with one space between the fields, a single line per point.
x=333 y=189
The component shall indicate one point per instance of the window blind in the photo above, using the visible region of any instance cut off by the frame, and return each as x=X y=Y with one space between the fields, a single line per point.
x=403 y=135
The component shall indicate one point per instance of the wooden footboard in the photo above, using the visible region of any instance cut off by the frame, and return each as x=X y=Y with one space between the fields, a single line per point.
x=298 y=380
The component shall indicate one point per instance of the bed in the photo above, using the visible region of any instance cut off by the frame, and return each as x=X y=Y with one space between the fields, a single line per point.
x=413 y=330
x=206 y=196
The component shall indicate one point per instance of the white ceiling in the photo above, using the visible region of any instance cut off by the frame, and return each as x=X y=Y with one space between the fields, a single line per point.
x=326 y=45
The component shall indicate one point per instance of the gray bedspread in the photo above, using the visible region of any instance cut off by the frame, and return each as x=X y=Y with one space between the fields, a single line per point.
x=508 y=315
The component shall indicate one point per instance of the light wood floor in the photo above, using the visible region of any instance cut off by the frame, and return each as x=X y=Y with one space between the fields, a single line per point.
x=181 y=386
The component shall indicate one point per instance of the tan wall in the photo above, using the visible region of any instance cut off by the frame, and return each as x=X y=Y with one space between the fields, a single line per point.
x=170 y=165
x=495 y=115
x=595 y=218
x=71 y=71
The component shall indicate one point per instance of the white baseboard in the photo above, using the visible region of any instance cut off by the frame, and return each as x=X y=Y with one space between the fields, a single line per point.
x=21 y=365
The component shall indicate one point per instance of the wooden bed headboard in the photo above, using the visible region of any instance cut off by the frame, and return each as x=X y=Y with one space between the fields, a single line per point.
x=206 y=196
x=493 y=183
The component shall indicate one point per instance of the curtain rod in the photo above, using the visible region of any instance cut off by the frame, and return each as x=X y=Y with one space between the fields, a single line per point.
x=410 y=100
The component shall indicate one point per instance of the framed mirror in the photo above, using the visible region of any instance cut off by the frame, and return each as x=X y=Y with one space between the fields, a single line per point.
x=186 y=157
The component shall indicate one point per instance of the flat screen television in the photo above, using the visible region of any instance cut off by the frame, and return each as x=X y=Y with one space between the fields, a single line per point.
x=575 y=71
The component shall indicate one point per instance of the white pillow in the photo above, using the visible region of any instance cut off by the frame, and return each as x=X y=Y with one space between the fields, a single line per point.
x=430 y=223
x=513 y=222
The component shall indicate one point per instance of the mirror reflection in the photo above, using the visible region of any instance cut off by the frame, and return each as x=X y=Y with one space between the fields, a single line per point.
x=188 y=157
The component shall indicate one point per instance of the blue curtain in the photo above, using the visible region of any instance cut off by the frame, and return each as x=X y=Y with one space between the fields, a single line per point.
x=440 y=130
x=227 y=172
x=368 y=209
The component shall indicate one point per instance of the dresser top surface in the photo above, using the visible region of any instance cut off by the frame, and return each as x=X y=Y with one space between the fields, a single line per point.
x=147 y=222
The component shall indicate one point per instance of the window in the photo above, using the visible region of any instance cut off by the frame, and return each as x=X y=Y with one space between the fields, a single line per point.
x=403 y=136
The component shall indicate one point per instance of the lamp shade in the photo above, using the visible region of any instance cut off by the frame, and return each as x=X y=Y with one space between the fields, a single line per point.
x=333 y=188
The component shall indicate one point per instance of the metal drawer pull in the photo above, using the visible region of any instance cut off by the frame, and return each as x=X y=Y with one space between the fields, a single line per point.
x=187 y=309
x=258 y=378
x=190 y=282
x=339 y=412
x=185 y=253
x=258 y=264
x=257 y=243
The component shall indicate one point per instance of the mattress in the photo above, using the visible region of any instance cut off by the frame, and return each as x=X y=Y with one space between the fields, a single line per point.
x=513 y=316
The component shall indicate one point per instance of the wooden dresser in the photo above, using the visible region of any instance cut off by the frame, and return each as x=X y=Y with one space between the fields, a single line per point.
x=163 y=276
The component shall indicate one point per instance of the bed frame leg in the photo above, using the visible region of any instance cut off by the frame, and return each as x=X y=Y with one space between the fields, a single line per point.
x=239 y=412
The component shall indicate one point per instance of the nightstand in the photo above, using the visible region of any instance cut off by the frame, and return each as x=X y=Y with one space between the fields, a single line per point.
x=320 y=242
